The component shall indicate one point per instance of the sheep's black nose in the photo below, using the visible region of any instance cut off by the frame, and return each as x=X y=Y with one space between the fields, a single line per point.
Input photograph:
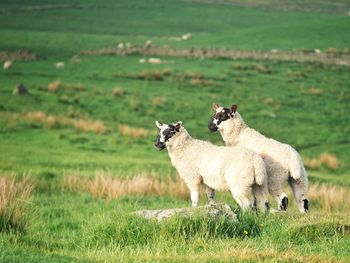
x=212 y=127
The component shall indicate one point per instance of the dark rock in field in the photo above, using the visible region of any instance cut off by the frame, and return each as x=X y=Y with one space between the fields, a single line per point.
x=20 y=89
x=213 y=210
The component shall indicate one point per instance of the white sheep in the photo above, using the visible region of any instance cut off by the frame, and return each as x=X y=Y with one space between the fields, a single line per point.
x=186 y=36
x=154 y=60
x=283 y=163
x=148 y=43
x=219 y=168
x=7 y=64
x=59 y=65
x=120 y=45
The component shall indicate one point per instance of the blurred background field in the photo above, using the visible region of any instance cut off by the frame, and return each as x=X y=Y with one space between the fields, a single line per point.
x=98 y=74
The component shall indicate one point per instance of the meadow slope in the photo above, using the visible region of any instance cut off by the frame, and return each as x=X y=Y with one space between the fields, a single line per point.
x=77 y=154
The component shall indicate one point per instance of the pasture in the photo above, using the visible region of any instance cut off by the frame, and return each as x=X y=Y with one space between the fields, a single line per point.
x=77 y=153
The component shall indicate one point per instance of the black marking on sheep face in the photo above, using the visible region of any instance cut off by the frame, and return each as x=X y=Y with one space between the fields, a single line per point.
x=160 y=145
x=164 y=136
x=284 y=203
x=219 y=117
x=306 y=205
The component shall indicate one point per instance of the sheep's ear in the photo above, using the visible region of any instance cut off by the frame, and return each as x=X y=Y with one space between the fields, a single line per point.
x=178 y=125
x=216 y=106
x=234 y=108
x=159 y=124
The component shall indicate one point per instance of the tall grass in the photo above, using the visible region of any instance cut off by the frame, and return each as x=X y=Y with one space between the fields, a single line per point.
x=105 y=186
x=326 y=159
x=14 y=203
x=132 y=230
x=330 y=198
x=51 y=121
x=133 y=132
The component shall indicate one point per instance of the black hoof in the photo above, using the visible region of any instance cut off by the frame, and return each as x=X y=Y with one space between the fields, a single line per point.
x=284 y=203
x=306 y=205
x=267 y=206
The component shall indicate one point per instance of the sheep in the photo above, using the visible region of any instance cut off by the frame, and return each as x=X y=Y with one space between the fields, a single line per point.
x=283 y=163
x=148 y=43
x=7 y=64
x=121 y=46
x=186 y=36
x=59 y=65
x=154 y=60
x=218 y=167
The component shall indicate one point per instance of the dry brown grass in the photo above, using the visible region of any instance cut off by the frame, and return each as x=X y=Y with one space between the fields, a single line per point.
x=14 y=201
x=323 y=197
x=19 y=55
x=158 y=100
x=313 y=91
x=202 y=82
x=58 y=85
x=83 y=124
x=49 y=121
x=133 y=132
x=327 y=159
x=151 y=75
x=330 y=198
x=193 y=75
x=261 y=68
x=240 y=254
x=105 y=186
x=117 y=91
x=88 y=125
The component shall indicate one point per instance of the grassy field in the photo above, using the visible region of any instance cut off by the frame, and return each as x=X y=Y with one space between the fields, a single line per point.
x=77 y=155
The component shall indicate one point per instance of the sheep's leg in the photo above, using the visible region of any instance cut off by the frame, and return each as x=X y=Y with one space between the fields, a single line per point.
x=194 y=189
x=241 y=198
x=260 y=198
x=282 y=201
x=210 y=194
x=299 y=191
x=276 y=191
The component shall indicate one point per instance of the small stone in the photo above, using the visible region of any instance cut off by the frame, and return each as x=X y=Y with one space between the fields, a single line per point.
x=215 y=210
x=20 y=89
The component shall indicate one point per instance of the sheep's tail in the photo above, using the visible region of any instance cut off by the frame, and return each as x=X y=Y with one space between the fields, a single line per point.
x=260 y=170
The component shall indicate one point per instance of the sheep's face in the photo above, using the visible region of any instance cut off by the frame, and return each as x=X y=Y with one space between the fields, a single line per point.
x=220 y=116
x=166 y=132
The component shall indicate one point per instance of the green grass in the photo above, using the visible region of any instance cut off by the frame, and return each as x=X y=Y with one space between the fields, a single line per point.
x=303 y=104
x=108 y=22
x=104 y=230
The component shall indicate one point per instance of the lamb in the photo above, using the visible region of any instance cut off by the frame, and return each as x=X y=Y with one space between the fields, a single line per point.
x=7 y=64
x=283 y=163
x=59 y=65
x=219 y=168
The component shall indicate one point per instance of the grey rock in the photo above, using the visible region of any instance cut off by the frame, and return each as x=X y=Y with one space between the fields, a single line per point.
x=20 y=89
x=216 y=210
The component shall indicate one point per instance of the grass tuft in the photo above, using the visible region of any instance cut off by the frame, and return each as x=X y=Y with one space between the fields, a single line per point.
x=326 y=159
x=105 y=186
x=313 y=232
x=117 y=91
x=57 y=85
x=151 y=75
x=329 y=198
x=137 y=231
x=88 y=125
x=133 y=132
x=14 y=203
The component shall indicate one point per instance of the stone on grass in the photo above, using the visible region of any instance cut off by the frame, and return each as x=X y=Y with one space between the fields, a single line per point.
x=216 y=211
x=20 y=89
